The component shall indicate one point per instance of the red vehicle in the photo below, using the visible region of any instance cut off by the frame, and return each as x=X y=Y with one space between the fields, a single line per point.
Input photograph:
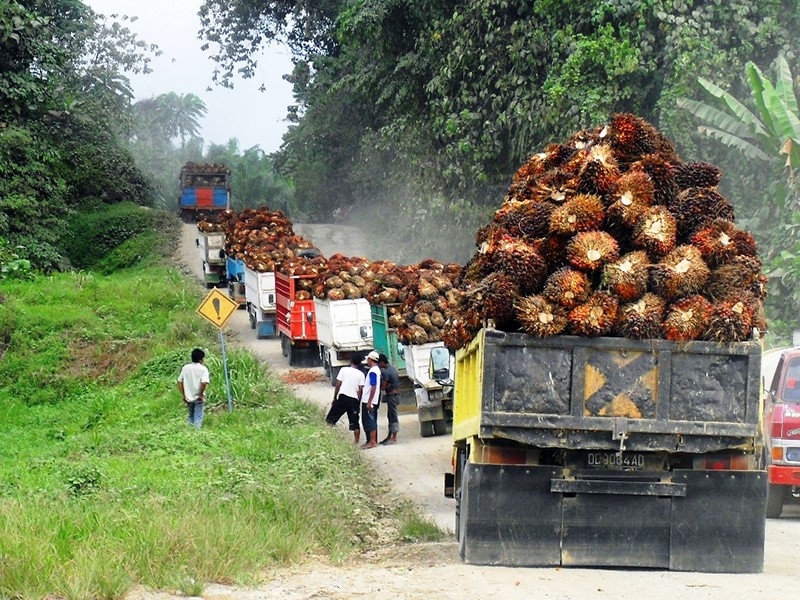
x=296 y=319
x=782 y=428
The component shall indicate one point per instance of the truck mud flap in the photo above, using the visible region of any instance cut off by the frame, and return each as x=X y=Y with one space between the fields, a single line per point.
x=509 y=516
x=526 y=515
x=615 y=524
x=719 y=526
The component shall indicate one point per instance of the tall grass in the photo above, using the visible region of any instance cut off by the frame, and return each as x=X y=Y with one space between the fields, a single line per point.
x=102 y=484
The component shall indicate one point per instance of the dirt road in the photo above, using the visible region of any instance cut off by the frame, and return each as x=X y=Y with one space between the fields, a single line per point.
x=414 y=467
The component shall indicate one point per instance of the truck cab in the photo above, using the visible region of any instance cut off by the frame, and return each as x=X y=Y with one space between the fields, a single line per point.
x=434 y=400
x=782 y=428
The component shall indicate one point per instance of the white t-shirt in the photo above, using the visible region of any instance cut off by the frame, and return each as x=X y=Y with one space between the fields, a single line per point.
x=351 y=379
x=192 y=375
x=373 y=379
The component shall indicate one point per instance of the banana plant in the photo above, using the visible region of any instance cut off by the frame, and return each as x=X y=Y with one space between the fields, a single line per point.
x=770 y=133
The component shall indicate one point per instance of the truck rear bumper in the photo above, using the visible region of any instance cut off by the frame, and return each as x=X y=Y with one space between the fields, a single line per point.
x=524 y=515
x=783 y=475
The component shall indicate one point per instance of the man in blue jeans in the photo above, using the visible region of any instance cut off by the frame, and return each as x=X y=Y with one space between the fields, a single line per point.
x=192 y=383
x=370 y=397
x=390 y=384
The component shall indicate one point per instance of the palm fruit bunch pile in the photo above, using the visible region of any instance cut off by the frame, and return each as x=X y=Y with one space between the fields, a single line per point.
x=611 y=234
x=204 y=174
x=419 y=298
x=347 y=277
x=218 y=222
x=261 y=238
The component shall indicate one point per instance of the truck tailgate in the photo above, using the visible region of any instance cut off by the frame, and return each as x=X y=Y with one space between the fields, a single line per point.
x=572 y=392
x=344 y=324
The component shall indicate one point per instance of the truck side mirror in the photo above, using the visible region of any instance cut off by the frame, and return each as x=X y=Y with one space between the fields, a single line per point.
x=439 y=365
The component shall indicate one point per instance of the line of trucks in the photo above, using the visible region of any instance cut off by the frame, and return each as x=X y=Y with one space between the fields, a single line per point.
x=322 y=332
x=539 y=479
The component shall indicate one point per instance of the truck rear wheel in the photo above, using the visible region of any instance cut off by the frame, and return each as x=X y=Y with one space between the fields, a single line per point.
x=284 y=349
x=426 y=429
x=776 y=494
x=439 y=427
x=334 y=374
x=291 y=352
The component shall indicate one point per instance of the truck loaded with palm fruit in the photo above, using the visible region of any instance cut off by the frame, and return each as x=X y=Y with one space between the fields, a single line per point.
x=607 y=403
x=205 y=190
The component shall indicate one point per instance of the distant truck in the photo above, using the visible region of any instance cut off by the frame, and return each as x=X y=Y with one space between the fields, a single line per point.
x=204 y=190
x=434 y=399
x=344 y=328
x=260 y=301
x=607 y=452
x=296 y=320
x=211 y=246
x=782 y=428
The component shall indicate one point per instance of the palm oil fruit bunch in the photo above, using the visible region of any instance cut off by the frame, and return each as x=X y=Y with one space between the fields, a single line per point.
x=611 y=233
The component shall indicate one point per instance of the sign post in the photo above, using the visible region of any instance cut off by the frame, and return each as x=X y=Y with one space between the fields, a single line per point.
x=217 y=308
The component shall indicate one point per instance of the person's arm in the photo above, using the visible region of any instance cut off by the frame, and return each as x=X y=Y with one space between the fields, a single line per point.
x=180 y=389
x=360 y=389
x=202 y=395
x=373 y=381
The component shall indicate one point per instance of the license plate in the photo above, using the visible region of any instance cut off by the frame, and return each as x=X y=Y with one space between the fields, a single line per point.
x=612 y=460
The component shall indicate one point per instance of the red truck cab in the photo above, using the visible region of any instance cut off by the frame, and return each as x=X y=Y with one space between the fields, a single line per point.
x=782 y=429
x=296 y=319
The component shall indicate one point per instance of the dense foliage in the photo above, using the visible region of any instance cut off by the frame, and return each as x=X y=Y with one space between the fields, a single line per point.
x=63 y=121
x=419 y=111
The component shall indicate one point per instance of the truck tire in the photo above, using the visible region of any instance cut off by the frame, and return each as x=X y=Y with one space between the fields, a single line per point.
x=252 y=318
x=776 y=494
x=291 y=352
x=439 y=427
x=334 y=374
x=426 y=429
x=284 y=349
x=461 y=460
x=462 y=513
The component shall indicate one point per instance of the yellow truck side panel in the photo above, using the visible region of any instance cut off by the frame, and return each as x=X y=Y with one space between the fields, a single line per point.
x=467 y=394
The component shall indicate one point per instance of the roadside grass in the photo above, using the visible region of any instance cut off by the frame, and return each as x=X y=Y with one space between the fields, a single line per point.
x=412 y=527
x=102 y=484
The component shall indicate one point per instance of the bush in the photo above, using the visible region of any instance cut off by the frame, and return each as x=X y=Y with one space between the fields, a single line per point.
x=118 y=236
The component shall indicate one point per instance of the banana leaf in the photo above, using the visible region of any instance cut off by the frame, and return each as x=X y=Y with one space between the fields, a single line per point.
x=716 y=117
x=784 y=85
x=737 y=108
x=745 y=147
x=758 y=83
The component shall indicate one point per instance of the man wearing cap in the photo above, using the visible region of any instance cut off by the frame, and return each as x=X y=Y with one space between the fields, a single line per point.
x=370 y=397
x=390 y=384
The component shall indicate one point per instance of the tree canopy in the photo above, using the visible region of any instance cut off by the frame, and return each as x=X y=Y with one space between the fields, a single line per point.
x=418 y=112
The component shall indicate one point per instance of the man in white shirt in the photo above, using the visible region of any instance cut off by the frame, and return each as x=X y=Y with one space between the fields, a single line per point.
x=192 y=383
x=347 y=397
x=370 y=398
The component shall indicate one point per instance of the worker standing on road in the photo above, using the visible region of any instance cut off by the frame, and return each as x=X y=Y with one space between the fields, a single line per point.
x=192 y=383
x=370 y=399
x=390 y=389
x=347 y=396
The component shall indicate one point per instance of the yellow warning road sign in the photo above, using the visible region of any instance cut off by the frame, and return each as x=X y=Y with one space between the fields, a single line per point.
x=217 y=308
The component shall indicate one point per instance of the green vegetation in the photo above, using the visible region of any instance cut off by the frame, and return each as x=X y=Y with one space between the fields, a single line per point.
x=104 y=486
x=768 y=135
x=418 y=113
